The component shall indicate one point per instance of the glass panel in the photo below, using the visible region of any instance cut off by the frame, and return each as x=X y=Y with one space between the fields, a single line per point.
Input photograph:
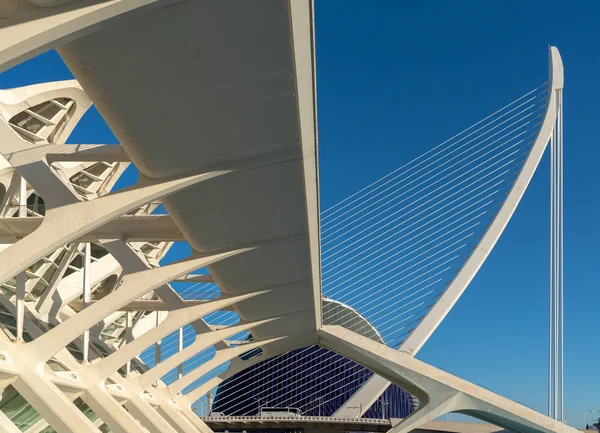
x=74 y=350
x=8 y=319
x=10 y=325
x=77 y=261
x=104 y=288
x=97 y=251
x=56 y=366
x=97 y=169
x=101 y=349
x=46 y=109
x=36 y=204
x=89 y=413
x=25 y=121
x=36 y=266
x=82 y=180
x=15 y=407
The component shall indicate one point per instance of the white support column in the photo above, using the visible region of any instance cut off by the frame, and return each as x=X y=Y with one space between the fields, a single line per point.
x=128 y=335
x=158 y=344
x=21 y=277
x=556 y=310
x=86 y=297
x=180 y=348
x=22 y=198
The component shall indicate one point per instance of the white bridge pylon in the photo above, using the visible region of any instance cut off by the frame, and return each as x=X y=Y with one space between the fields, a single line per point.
x=83 y=294
x=371 y=390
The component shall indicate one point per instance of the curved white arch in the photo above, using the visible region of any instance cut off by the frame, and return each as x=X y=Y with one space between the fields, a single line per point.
x=375 y=386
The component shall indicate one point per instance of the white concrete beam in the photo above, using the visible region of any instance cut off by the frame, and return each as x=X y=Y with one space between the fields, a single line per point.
x=175 y=320
x=134 y=285
x=438 y=391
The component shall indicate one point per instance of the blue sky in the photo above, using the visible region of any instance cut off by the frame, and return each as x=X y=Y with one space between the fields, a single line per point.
x=395 y=79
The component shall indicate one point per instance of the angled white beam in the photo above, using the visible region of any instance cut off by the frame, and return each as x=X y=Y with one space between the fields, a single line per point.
x=132 y=262
x=176 y=319
x=46 y=301
x=67 y=223
x=171 y=412
x=201 y=342
x=146 y=305
x=54 y=406
x=440 y=392
x=269 y=350
x=148 y=415
x=58 y=152
x=195 y=278
x=31 y=30
x=221 y=356
x=134 y=285
x=133 y=228
x=111 y=412
x=83 y=153
x=195 y=420
x=48 y=185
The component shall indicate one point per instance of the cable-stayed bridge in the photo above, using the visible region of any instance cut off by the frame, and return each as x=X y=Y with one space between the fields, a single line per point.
x=278 y=304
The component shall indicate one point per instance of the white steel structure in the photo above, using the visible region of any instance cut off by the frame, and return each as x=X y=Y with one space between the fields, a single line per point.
x=213 y=102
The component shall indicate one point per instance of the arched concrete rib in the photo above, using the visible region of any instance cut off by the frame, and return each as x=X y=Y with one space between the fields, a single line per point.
x=48 y=400
x=376 y=385
x=175 y=320
x=270 y=350
x=134 y=285
x=442 y=392
x=203 y=340
x=31 y=163
x=41 y=29
x=221 y=356
x=69 y=222
x=111 y=412
x=171 y=412
x=82 y=153
x=146 y=413
x=133 y=263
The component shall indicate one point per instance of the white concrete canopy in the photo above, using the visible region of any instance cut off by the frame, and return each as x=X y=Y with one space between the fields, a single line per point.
x=214 y=103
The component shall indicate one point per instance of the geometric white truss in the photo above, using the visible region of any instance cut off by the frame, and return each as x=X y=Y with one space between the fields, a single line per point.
x=267 y=269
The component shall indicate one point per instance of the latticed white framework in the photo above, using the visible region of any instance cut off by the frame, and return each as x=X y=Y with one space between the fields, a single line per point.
x=213 y=102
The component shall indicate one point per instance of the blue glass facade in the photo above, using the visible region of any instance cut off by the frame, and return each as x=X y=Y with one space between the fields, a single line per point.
x=314 y=380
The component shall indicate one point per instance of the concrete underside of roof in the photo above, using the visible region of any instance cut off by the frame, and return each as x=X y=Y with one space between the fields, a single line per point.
x=200 y=86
